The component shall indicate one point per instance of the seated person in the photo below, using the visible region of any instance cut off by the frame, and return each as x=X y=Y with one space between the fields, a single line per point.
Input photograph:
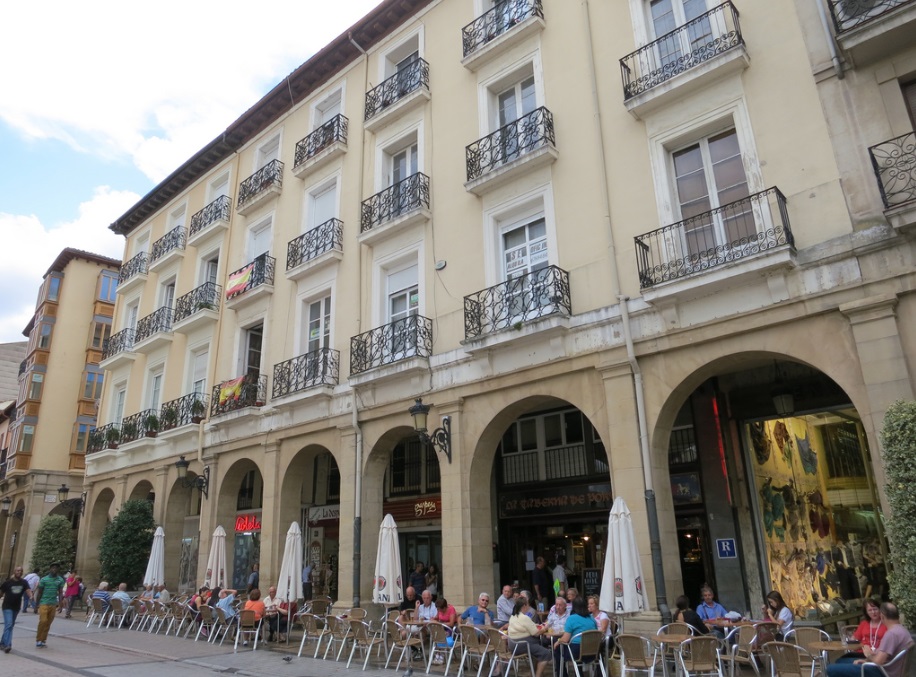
x=480 y=614
x=684 y=614
x=103 y=594
x=556 y=619
x=571 y=594
x=504 y=606
x=148 y=594
x=409 y=605
x=162 y=594
x=277 y=615
x=896 y=639
x=529 y=610
x=255 y=604
x=426 y=610
x=710 y=609
x=569 y=644
x=226 y=602
x=522 y=630
x=122 y=595
x=446 y=614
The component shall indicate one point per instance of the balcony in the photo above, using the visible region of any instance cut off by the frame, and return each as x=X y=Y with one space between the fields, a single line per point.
x=868 y=30
x=139 y=426
x=317 y=370
x=168 y=248
x=185 y=410
x=518 y=147
x=251 y=282
x=516 y=302
x=402 y=92
x=261 y=187
x=498 y=30
x=689 y=57
x=401 y=340
x=154 y=331
x=314 y=249
x=133 y=273
x=894 y=163
x=321 y=146
x=104 y=437
x=118 y=350
x=239 y=393
x=198 y=308
x=749 y=236
x=210 y=222
x=395 y=208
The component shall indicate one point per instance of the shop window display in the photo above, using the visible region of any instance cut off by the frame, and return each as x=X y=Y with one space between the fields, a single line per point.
x=817 y=512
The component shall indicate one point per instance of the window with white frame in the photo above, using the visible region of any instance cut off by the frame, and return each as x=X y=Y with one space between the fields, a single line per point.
x=321 y=204
x=141 y=244
x=199 y=364
x=403 y=303
x=402 y=161
x=399 y=60
x=218 y=187
x=209 y=268
x=118 y=402
x=667 y=15
x=259 y=239
x=267 y=152
x=524 y=253
x=167 y=293
x=177 y=217
x=132 y=314
x=316 y=320
x=154 y=388
x=252 y=346
x=328 y=109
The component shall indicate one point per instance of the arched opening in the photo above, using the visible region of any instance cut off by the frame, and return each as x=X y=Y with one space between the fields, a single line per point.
x=142 y=491
x=99 y=514
x=240 y=507
x=182 y=536
x=14 y=537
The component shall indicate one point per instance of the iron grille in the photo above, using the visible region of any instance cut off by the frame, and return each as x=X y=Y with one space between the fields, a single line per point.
x=408 y=79
x=735 y=231
x=500 y=19
x=183 y=410
x=330 y=132
x=139 y=265
x=317 y=368
x=894 y=163
x=516 y=301
x=118 y=343
x=218 y=210
x=317 y=241
x=696 y=42
x=848 y=14
x=172 y=240
x=261 y=272
x=268 y=176
x=401 y=198
x=400 y=340
x=246 y=391
x=137 y=425
x=510 y=142
x=204 y=297
x=158 y=321
x=103 y=437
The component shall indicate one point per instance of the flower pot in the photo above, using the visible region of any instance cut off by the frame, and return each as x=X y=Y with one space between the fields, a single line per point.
x=196 y=419
x=151 y=433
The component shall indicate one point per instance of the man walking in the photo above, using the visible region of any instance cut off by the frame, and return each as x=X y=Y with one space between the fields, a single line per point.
x=13 y=591
x=32 y=579
x=307 y=582
x=50 y=591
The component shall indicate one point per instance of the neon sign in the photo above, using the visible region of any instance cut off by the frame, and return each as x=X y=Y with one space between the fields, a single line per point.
x=247 y=523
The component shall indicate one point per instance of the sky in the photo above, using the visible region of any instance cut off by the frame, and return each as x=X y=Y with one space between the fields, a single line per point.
x=102 y=99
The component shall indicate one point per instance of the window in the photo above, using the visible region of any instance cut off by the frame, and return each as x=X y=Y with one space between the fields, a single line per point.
x=667 y=15
x=318 y=324
x=399 y=61
x=54 y=288
x=35 y=386
x=525 y=253
x=268 y=152
x=403 y=303
x=322 y=205
x=413 y=469
x=199 y=363
x=155 y=390
x=119 y=400
x=92 y=390
x=328 y=109
x=141 y=244
x=514 y=103
x=133 y=311
x=177 y=217
x=909 y=98
x=209 y=269
x=108 y=286
x=253 y=343
x=82 y=438
x=218 y=188
x=402 y=162
x=259 y=237
x=44 y=336
x=167 y=294
x=26 y=439
x=101 y=331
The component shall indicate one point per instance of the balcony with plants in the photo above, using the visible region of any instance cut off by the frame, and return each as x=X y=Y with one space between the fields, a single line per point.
x=154 y=331
x=142 y=426
x=239 y=393
x=868 y=30
x=894 y=165
x=402 y=92
x=251 y=282
x=315 y=372
x=198 y=308
x=261 y=187
x=104 y=437
x=210 y=222
x=168 y=248
x=118 y=350
x=314 y=249
x=499 y=29
x=317 y=149
x=401 y=205
x=403 y=346
x=516 y=148
x=183 y=411
x=133 y=273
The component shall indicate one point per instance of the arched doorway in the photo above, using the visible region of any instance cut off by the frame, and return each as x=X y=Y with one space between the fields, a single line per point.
x=241 y=502
x=99 y=514
x=142 y=491
x=182 y=536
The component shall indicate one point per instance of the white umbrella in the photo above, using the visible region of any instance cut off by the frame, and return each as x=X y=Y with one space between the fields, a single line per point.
x=622 y=590
x=155 y=569
x=386 y=587
x=216 y=562
x=289 y=585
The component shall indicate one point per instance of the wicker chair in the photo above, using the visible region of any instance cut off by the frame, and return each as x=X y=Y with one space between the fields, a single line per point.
x=439 y=643
x=790 y=660
x=365 y=639
x=99 y=612
x=117 y=613
x=804 y=637
x=221 y=625
x=312 y=629
x=589 y=653
x=248 y=624
x=475 y=645
x=207 y=622
x=400 y=638
x=637 y=654
x=902 y=658
x=700 y=657
x=338 y=632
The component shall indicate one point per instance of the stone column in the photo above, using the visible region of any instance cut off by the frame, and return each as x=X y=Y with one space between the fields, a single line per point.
x=271 y=541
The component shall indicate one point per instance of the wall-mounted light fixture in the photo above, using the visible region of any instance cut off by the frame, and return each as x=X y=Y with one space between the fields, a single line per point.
x=440 y=438
x=201 y=482
x=75 y=503
x=6 y=503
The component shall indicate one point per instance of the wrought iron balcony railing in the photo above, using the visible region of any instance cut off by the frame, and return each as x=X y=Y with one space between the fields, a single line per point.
x=158 y=321
x=408 y=79
x=894 y=162
x=848 y=14
x=516 y=301
x=118 y=343
x=218 y=210
x=258 y=272
x=204 y=297
x=136 y=266
x=401 y=198
x=330 y=132
x=183 y=410
x=103 y=437
x=172 y=240
x=510 y=142
x=735 y=231
x=317 y=368
x=268 y=176
x=245 y=391
x=400 y=340
x=314 y=243
x=692 y=44
x=495 y=22
x=139 y=425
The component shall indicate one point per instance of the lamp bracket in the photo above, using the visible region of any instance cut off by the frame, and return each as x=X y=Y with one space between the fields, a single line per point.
x=441 y=438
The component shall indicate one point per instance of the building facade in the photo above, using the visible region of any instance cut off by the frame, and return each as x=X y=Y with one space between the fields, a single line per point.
x=60 y=384
x=650 y=249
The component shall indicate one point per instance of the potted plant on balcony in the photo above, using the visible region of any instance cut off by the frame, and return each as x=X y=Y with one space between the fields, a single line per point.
x=151 y=423
x=198 y=409
x=169 y=418
x=128 y=431
x=96 y=441
x=112 y=437
x=204 y=305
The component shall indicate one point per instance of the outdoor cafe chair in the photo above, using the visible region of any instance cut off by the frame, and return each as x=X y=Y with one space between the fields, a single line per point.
x=637 y=654
x=507 y=653
x=439 y=644
x=206 y=621
x=790 y=660
x=804 y=637
x=158 y=617
x=364 y=638
x=99 y=612
x=319 y=607
x=355 y=614
x=406 y=644
x=248 y=624
x=902 y=659
x=138 y=614
x=669 y=651
x=700 y=657
x=339 y=633
x=117 y=613
x=475 y=645
x=221 y=625
x=312 y=629
x=179 y=614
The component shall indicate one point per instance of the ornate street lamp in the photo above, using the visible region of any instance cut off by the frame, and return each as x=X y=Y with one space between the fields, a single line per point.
x=440 y=438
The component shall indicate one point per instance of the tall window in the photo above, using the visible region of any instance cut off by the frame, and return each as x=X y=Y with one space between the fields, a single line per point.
x=119 y=399
x=209 y=269
x=81 y=438
x=108 y=286
x=35 y=386
x=133 y=311
x=668 y=15
x=269 y=152
x=167 y=294
x=327 y=109
x=404 y=164
x=44 y=335
x=403 y=302
x=218 y=188
x=408 y=76
x=322 y=205
x=259 y=240
x=92 y=390
x=26 y=439
x=177 y=217
x=525 y=253
x=54 y=288
x=514 y=103
x=318 y=329
x=100 y=333
x=155 y=390
x=254 y=339
x=199 y=363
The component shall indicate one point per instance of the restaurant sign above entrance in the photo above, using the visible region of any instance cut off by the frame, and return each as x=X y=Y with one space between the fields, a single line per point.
x=322 y=513
x=422 y=507
x=556 y=500
x=247 y=523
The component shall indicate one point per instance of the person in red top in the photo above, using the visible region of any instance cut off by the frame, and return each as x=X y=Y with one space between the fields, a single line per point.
x=255 y=604
x=71 y=592
x=446 y=614
x=869 y=633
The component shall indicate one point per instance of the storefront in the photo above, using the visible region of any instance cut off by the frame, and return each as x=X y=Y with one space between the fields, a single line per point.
x=322 y=544
x=419 y=533
x=247 y=548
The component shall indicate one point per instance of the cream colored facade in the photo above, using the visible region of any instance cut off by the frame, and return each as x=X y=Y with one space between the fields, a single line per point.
x=816 y=274
x=60 y=385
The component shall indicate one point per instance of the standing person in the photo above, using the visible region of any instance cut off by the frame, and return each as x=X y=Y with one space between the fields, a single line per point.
x=432 y=580
x=560 y=582
x=13 y=591
x=307 y=582
x=777 y=611
x=896 y=639
x=50 y=592
x=417 y=579
x=71 y=592
x=543 y=588
x=32 y=579
x=254 y=578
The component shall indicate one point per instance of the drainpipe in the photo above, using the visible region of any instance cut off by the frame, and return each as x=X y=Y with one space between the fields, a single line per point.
x=655 y=544
x=831 y=44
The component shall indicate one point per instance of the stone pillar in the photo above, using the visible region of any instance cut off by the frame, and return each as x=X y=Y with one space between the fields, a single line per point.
x=160 y=486
x=271 y=540
x=208 y=517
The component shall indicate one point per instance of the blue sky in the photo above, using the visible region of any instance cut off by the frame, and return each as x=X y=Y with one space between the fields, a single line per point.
x=112 y=99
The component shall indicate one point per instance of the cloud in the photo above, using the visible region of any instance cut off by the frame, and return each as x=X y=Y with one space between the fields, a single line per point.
x=31 y=247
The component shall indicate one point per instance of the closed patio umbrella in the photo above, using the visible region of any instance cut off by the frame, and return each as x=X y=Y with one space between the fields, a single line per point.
x=216 y=562
x=155 y=568
x=622 y=590
x=289 y=584
x=386 y=587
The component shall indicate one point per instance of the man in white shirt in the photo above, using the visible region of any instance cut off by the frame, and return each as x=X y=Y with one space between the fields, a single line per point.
x=558 y=616
x=504 y=606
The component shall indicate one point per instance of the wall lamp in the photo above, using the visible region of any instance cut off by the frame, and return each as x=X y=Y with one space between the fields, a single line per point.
x=6 y=503
x=440 y=438
x=75 y=503
x=201 y=482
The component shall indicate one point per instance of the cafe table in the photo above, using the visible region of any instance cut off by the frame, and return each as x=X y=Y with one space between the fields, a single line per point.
x=669 y=642
x=833 y=645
